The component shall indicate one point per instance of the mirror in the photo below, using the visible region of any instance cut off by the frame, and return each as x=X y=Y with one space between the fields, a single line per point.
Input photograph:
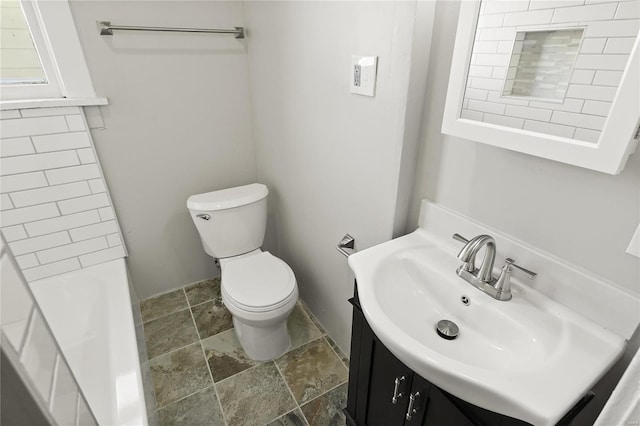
x=555 y=79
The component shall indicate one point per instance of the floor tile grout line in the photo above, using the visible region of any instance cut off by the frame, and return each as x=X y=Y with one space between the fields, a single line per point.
x=324 y=393
x=244 y=371
x=295 y=401
x=312 y=317
x=301 y=345
x=153 y=387
x=195 y=325
x=326 y=338
x=147 y=321
x=201 y=303
x=184 y=292
x=324 y=333
x=177 y=349
x=174 y=350
x=183 y=398
x=166 y=353
x=204 y=355
x=158 y=296
x=264 y=362
x=224 y=416
x=289 y=412
x=321 y=329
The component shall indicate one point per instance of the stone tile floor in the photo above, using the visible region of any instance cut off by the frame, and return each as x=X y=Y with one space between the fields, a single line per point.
x=201 y=376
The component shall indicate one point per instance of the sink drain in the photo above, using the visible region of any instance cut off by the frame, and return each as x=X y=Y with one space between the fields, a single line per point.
x=447 y=329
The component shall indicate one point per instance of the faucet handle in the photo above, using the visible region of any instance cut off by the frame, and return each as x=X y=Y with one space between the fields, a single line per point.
x=503 y=283
x=460 y=238
x=529 y=274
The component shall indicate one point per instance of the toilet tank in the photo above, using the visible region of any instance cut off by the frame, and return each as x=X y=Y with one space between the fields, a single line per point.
x=230 y=221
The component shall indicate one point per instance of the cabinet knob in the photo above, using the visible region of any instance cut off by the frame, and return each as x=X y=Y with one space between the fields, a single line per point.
x=396 y=389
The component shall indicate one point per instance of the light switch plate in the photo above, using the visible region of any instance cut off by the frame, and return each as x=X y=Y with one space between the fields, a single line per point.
x=363 y=75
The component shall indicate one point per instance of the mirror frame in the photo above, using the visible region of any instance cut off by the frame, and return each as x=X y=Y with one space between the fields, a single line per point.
x=618 y=139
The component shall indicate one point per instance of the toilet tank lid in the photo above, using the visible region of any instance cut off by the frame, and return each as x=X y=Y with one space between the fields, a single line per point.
x=228 y=198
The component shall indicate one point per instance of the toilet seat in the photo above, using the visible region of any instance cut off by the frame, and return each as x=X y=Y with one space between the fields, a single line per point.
x=258 y=283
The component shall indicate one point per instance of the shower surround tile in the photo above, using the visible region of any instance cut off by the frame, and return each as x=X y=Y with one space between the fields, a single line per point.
x=312 y=370
x=255 y=396
x=169 y=332
x=162 y=305
x=42 y=181
x=179 y=374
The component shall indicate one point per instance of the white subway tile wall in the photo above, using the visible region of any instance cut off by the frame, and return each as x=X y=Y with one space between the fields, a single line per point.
x=610 y=29
x=56 y=213
x=33 y=351
x=542 y=63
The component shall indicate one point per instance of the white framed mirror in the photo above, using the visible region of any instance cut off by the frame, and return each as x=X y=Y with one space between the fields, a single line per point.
x=558 y=79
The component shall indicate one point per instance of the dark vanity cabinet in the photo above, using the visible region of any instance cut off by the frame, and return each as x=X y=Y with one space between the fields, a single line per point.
x=385 y=392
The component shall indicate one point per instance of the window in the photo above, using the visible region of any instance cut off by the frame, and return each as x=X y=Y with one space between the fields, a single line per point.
x=20 y=62
x=40 y=53
x=25 y=65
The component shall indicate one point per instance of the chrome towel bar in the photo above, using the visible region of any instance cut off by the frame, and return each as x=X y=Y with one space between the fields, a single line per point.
x=105 y=28
x=346 y=246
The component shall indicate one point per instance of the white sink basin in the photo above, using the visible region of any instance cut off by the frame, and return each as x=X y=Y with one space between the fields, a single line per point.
x=529 y=358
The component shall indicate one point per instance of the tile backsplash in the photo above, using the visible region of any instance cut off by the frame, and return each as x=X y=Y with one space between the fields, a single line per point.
x=610 y=30
x=56 y=215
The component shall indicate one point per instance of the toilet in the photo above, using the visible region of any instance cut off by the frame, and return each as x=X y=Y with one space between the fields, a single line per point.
x=259 y=289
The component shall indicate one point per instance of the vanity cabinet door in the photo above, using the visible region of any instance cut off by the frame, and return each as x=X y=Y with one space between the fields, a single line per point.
x=390 y=385
x=440 y=410
x=373 y=372
x=419 y=402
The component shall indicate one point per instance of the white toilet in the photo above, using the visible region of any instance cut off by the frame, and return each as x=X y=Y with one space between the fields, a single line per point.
x=259 y=289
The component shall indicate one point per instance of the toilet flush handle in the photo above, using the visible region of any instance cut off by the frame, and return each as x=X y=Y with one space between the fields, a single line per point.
x=203 y=216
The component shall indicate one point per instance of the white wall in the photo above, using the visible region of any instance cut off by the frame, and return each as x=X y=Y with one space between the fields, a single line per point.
x=585 y=217
x=178 y=123
x=331 y=159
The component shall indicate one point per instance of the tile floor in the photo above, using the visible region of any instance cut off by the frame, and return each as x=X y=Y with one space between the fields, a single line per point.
x=201 y=375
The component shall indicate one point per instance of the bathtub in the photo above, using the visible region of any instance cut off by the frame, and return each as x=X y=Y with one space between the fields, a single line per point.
x=89 y=312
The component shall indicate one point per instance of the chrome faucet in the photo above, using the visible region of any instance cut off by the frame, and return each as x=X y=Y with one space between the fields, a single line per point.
x=482 y=278
x=468 y=256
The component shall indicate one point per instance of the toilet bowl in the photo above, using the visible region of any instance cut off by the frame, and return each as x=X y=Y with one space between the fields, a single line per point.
x=259 y=289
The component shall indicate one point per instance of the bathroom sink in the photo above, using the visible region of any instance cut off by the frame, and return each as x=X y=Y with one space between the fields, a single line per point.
x=529 y=358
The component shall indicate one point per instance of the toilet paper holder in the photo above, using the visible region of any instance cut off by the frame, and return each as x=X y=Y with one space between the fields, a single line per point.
x=346 y=246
